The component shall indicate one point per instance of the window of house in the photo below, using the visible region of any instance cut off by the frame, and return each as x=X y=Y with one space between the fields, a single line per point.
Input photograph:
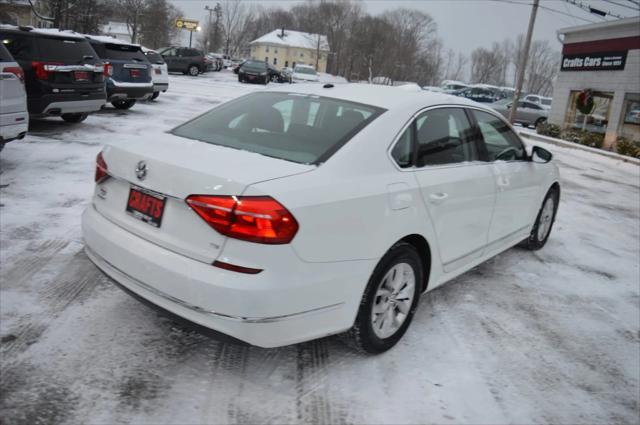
x=275 y=61
x=301 y=54
x=266 y=59
x=286 y=64
x=597 y=120
x=630 y=119
x=275 y=51
x=266 y=49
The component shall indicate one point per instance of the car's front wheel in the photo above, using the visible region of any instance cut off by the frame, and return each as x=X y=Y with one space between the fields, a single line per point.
x=74 y=118
x=544 y=221
x=123 y=104
x=389 y=301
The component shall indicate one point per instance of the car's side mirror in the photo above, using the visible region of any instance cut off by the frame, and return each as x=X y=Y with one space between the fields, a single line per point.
x=540 y=155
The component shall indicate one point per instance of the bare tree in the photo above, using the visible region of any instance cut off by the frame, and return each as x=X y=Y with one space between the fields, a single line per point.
x=489 y=66
x=542 y=68
x=132 y=12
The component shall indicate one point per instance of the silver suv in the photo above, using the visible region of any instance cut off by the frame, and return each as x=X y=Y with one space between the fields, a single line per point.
x=14 y=118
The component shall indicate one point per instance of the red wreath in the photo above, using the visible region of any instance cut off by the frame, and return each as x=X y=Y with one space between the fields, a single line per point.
x=584 y=102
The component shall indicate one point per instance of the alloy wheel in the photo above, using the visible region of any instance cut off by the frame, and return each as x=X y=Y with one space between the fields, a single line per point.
x=546 y=218
x=393 y=300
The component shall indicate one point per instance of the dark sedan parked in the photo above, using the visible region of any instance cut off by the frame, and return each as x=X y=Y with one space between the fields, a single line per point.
x=184 y=59
x=253 y=71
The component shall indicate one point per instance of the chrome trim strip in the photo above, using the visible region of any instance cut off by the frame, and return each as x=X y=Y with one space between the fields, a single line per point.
x=104 y=264
x=134 y=66
x=125 y=85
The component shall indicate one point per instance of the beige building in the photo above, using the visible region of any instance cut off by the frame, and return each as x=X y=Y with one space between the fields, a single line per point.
x=603 y=58
x=286 y=48
x=18 y=12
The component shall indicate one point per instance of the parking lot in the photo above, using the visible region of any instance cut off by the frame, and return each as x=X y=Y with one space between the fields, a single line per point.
x=549 y=336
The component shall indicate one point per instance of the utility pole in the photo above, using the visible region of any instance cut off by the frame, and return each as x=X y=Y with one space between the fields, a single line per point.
x=208 y=38
x=523 y=62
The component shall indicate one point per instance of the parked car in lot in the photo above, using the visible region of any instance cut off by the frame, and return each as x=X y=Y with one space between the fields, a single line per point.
x=450 y=86
x=14 y=118
x=184 y=59
x=528 y=114
x=236 y=67
x=127 y=69
x=160 y=74
x=62 y=74
x=217 y=62
x=542 y=101
x=308 y=210
x=481 y=93
x=253 y=71
x=304 y=74
x=277 y=75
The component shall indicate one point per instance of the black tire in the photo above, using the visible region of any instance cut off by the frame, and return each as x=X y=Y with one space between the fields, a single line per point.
x=193 y=70
x=123 y=104
x=362 y=336
x=539 y=121
x=240 y=80
x=266 y=80
x=74 y=118
x=155 y=95
x=535 y=242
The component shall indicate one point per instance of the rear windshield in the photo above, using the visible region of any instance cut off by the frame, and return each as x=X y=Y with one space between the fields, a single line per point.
x=154 y=58
x=5 y=56
x=299 y=128
x=119 y=52
x=69 y=51
x=301 y=70
x=255 y=65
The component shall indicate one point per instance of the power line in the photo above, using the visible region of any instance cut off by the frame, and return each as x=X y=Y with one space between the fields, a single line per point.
x=560 y=12
x=593 y=10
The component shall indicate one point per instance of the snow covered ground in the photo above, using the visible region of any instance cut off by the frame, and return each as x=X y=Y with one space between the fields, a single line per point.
x=545 y=337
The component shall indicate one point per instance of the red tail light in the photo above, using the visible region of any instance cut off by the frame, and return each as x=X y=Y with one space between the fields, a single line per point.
x=15 y=70
x=43 y=69
x=259 y=219
x=108 y=69
x=102 y=172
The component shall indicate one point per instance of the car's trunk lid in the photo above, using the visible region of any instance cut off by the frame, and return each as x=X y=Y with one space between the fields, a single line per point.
x=174 y=169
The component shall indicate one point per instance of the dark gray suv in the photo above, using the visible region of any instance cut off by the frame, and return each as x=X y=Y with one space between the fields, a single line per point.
x=184 y=59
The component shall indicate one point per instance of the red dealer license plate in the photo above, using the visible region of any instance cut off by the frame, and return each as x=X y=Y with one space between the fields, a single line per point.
x=135 y=73
x=146 y=206
x=81 y=75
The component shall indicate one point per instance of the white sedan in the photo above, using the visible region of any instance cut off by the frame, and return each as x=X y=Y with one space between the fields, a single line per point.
x=304 y=211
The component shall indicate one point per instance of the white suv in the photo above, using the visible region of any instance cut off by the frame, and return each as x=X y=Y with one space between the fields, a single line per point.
x=14 y=118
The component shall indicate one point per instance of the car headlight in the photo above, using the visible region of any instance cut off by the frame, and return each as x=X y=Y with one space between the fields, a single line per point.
x=263 y=74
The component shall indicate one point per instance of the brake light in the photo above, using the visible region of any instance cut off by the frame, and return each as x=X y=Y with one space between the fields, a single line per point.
x=102 y=172
x=43 y=69
x=15 y=70
x=259 y=219
x=108 y=69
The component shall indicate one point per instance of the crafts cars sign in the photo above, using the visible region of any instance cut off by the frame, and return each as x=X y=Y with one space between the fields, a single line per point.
x=187 y=24
x=610 y=61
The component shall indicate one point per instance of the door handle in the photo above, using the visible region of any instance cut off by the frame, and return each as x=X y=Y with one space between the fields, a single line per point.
x=438 y=198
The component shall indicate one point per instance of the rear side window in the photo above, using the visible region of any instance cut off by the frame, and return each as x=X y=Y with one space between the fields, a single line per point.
x=500 y=141
x=119 y=52
x=5 y=56
x=293 y=127
x=444 y=136
x=20 y=46
x=154 y=58
x=68 y=51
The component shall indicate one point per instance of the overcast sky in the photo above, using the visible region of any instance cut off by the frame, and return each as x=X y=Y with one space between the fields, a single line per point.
x=464 y=25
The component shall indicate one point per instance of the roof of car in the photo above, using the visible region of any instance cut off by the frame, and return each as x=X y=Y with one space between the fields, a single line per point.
x=55 y=32
x=108 y=39
x=387 y=97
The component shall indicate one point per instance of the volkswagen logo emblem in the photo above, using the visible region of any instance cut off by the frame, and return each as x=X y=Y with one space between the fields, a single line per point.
x=141 y=170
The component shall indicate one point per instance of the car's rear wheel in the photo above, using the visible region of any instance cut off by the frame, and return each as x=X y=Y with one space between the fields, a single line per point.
x=389 y=301
x=74 y=118
x=544 y=222
x=155 y=95
x=539 y=121
x=123 y=104
x=193 y=70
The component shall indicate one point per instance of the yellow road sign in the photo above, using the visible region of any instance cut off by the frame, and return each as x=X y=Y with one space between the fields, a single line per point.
x=187 y=24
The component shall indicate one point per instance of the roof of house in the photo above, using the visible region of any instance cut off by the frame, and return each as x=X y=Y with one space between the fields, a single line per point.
x=632 y=21
x=300 y=39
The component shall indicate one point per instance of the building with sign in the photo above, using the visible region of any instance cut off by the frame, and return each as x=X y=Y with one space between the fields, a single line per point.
x=598 y=86
x=286 y=48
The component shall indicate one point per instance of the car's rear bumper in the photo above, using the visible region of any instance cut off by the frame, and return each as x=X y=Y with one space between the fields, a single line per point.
x=65 y=104
x=157 y=87
x=265 y=309
x=12 y=130
x=122 y=90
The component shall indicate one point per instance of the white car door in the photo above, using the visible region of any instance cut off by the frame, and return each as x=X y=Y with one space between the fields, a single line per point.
x=458 y=190
x=516 y=178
